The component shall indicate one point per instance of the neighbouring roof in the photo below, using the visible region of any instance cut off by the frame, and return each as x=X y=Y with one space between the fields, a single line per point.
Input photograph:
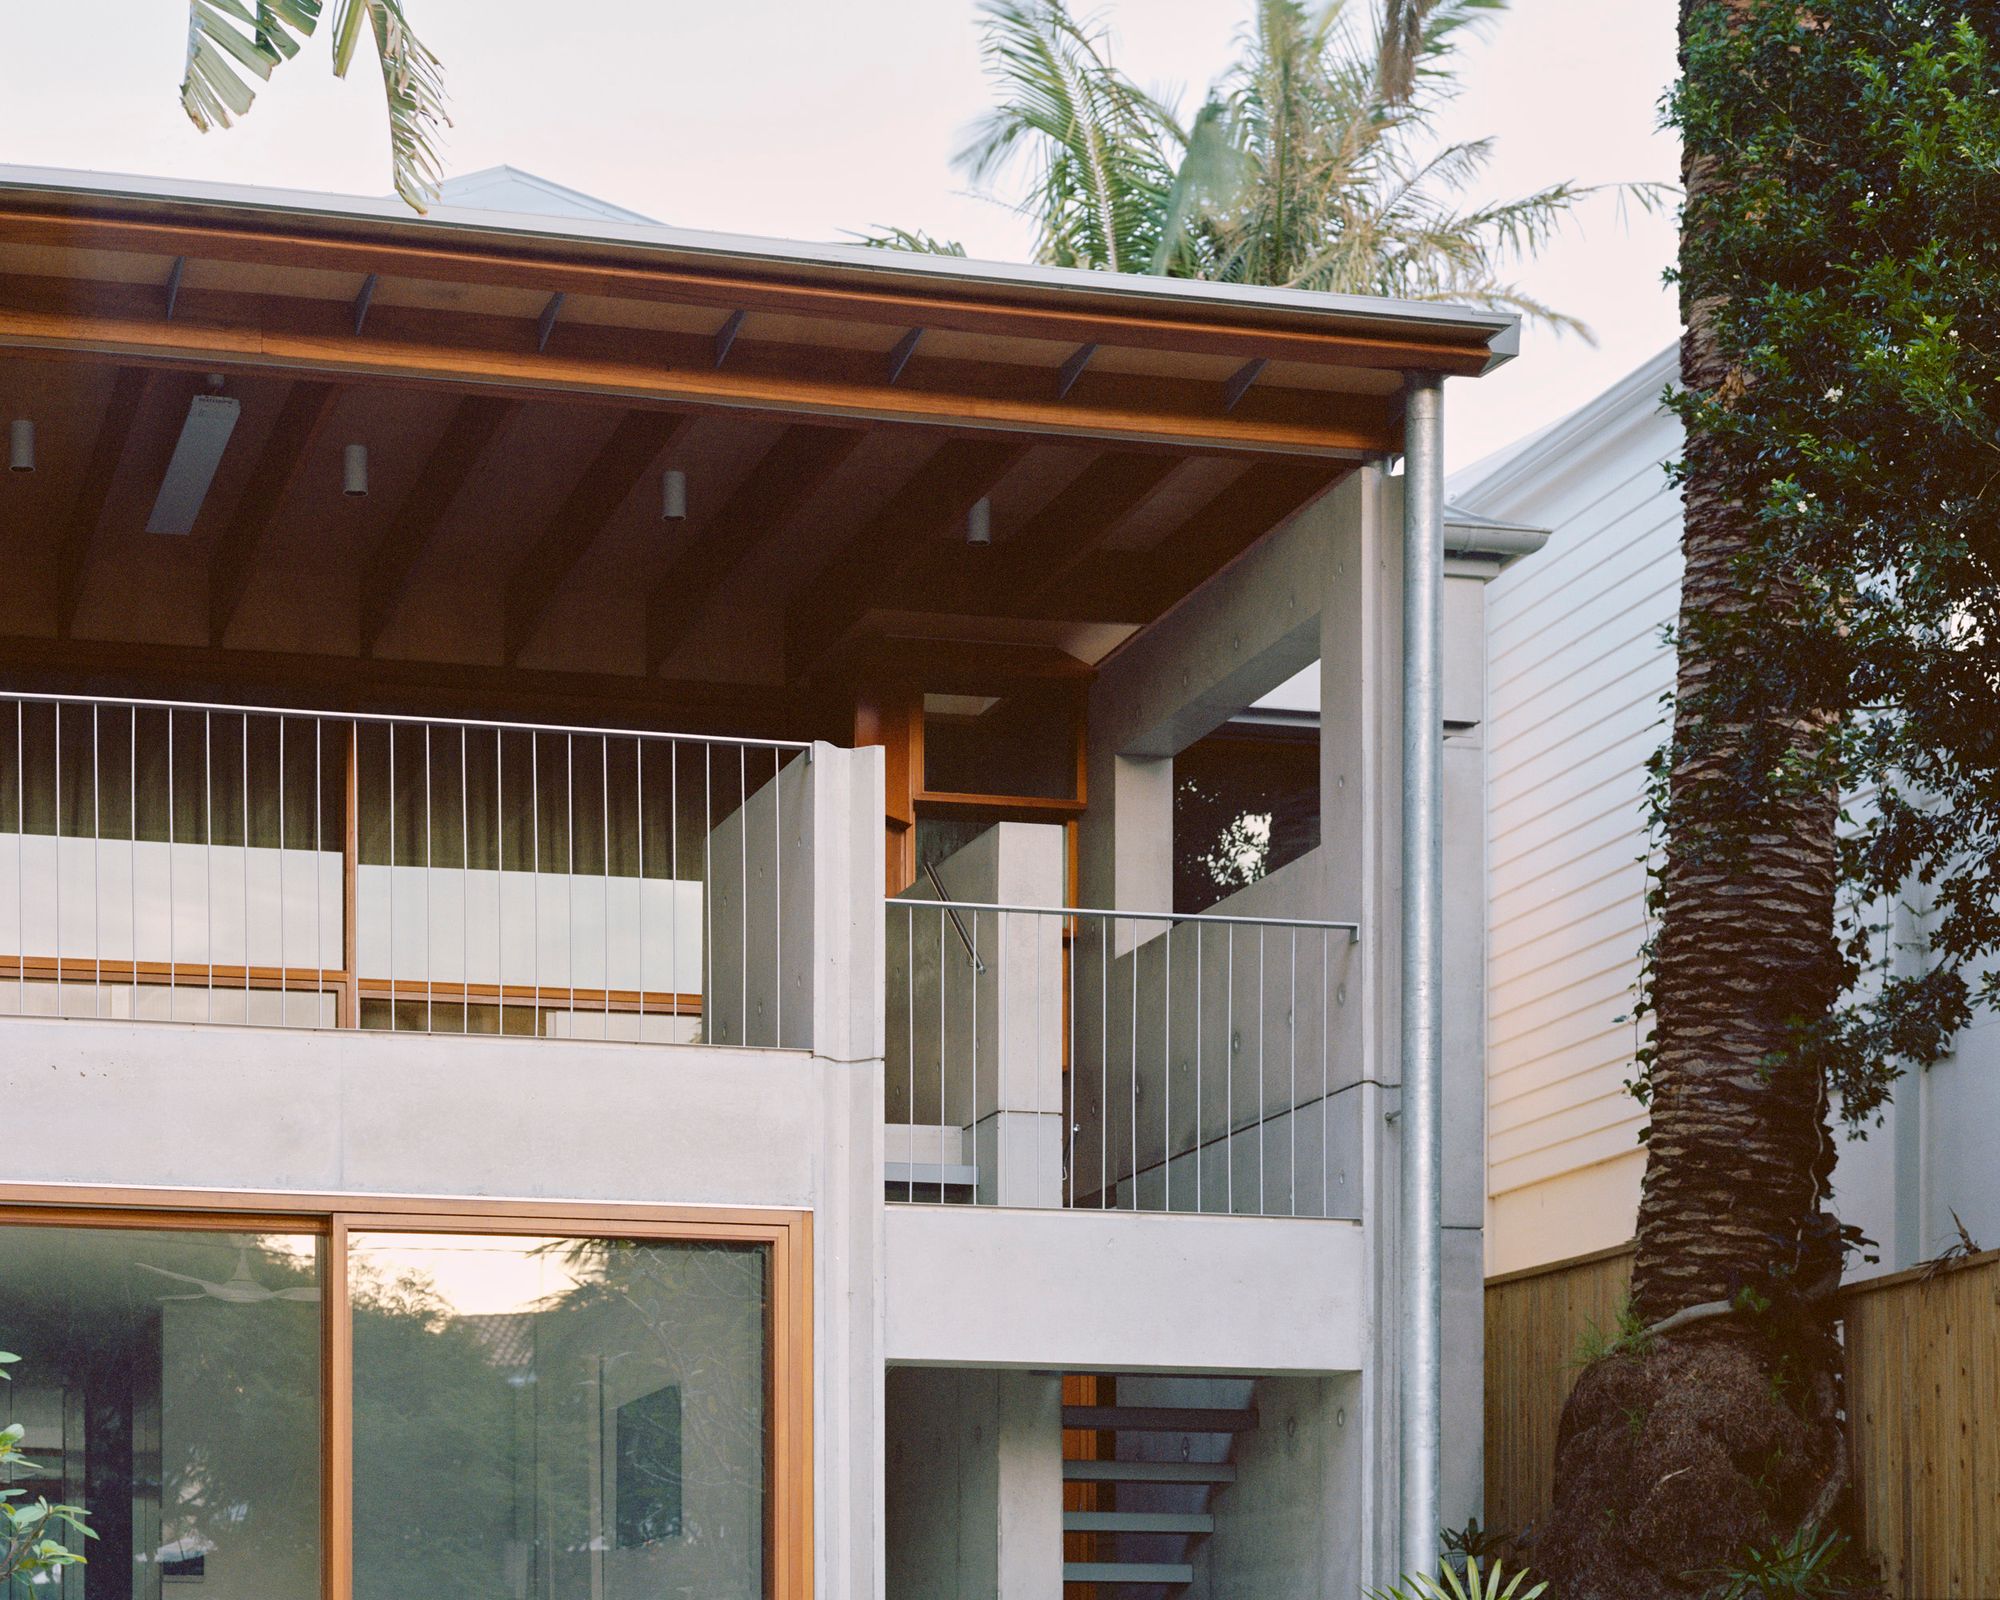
x=509 y=189
x=1636 y=394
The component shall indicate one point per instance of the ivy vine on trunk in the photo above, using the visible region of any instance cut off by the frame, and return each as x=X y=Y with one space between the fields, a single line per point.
x=1839 y=645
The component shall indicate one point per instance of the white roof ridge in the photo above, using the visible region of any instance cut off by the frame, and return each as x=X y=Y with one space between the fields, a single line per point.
x=1492 y=475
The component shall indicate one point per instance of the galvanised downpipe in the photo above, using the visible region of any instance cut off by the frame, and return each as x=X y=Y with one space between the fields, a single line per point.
x=1423 y=961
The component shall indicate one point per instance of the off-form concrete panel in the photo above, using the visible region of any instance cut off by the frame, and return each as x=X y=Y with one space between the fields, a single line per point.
x=148 y=1104
x=1121 y=1291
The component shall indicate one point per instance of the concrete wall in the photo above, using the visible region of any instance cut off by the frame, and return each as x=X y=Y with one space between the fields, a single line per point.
x=975 y=1018
x=1284 y=1528
x=1087 y=1291
x=172 y=1105
x=1328 y=584
x=974 y=1485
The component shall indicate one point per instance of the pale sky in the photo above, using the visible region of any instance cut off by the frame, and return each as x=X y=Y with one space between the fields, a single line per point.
x=803 y=119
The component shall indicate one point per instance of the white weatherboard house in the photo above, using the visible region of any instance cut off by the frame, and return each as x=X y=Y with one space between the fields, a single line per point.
x=1576 y=664
x=592 y=997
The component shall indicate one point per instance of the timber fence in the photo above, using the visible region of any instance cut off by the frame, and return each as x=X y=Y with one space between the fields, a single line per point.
x=1923 y=1399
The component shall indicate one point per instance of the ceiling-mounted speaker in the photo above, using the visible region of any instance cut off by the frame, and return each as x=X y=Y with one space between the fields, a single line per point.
x=21 y=445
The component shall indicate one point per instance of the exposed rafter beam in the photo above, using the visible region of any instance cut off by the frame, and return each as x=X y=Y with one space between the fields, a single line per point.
x=1037 y=560
x=444 y=473
x=547 y=325
x=362 y=301
x=174 y=285
x=461 y=351
x=1383 y=343
x=825 y=615
x=1239 y=382
x=1075 y=525
x=638 y=441
x=304 y=413
x=725 y=336
x=1229 y=523
x=1072 y=369
x=791 y=472
x=899 y=357
x=129 y=391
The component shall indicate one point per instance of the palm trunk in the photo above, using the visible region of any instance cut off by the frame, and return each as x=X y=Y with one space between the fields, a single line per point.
x=1679 y=1451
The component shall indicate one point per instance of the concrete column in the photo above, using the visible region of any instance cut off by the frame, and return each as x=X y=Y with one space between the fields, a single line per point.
x=974 y=1485
x=840 y=900
x=978 y=1018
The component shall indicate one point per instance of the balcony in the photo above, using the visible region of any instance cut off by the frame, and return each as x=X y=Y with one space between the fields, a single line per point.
x=220 y=864
x=1049 y=1056
x=233 y=865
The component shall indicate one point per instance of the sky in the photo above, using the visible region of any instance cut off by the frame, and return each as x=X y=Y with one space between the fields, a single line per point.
x=807 y=120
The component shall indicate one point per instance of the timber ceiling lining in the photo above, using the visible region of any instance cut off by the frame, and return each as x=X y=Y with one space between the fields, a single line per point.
x=515 y=443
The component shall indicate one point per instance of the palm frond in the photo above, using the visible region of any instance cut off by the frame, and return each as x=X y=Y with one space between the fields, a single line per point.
x=1416 y=35
x=1103 y=154
x=227 y=40
x=1314 y=163
x=413 y=85
x=914 y=240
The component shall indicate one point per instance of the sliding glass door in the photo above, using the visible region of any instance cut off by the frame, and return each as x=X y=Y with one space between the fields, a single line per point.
x=371 y=1406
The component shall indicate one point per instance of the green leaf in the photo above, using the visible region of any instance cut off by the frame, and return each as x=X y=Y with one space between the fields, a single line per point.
x=227 y=40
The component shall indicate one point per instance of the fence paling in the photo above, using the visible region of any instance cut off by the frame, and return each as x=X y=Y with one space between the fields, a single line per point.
x=990 y=1040
x=369 y=925
x=1922 y=1380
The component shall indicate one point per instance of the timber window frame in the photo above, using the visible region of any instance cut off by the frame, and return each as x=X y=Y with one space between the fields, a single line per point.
x=785 y=1235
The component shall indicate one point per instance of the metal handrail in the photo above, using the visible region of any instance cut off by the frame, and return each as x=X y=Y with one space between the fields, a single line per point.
x=1096 y=1009
x=141 y=935
x=1351 y=929
x=406 y=719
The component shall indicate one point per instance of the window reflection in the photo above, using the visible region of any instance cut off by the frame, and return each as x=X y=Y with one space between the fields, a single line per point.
x=558 y=1418
x=169 y=1382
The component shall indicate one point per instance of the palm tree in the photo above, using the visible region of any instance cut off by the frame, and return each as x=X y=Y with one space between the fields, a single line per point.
x=232 y=41
x=1715 y=1423
x=1312 y=164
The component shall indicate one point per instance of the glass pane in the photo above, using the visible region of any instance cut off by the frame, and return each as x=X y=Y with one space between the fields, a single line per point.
x=169 y=1383
x=567 y=1419
x=1022 y=743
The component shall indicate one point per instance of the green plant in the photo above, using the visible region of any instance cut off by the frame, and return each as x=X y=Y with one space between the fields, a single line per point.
x=1315 y=161
x=1471 y=1584
x=30 y=1528
x=1803 y=1567
x=231 y=41
x=1473 y=1543
x=1595 y=1343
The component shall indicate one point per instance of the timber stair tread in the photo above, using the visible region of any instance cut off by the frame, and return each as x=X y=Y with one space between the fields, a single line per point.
x=1149 y=1471
x=1138 y=1522
x=1160 y=1419
x=1127 y=1572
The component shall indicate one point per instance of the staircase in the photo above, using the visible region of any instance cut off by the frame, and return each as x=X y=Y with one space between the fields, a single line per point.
x=1140 y=1479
